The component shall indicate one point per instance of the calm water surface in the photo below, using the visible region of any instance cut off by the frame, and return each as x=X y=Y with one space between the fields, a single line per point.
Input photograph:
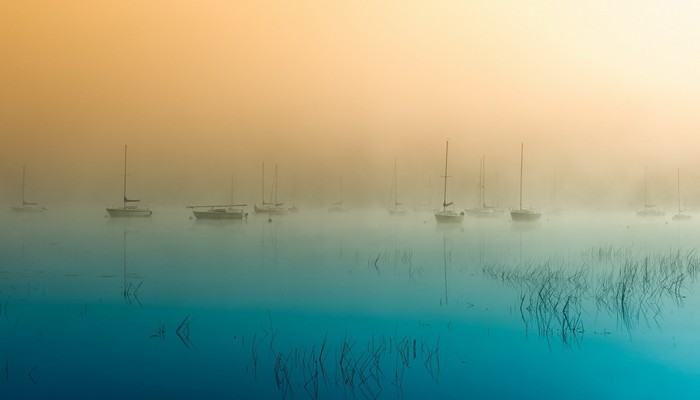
x=350 y=305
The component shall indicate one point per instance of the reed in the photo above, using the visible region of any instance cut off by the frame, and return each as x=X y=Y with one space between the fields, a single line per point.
x=30 y=374
x=183 y=333
x=624 y=283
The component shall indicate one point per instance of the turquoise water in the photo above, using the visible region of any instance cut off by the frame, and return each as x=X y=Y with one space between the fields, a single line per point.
x=354 y=305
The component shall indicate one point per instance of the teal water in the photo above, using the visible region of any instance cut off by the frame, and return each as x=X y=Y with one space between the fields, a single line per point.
x=356 y=305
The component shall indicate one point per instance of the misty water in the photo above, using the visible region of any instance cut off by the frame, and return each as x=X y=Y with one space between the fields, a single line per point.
x=346 y=305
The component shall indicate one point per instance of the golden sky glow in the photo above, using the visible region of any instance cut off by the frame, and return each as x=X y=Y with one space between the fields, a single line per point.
x=596 y=90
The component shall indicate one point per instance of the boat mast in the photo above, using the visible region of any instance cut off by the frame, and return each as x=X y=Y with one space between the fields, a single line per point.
x=396 y=199
x=679 y=190
x=521 y=175
x=498 y=191
x=444 y=192
x=124 y=199
x=232 y=188
x=341 y=189
x=482 y=178
x=645 y=187
x=23 y=174
x=263 y=183
x=275 y=185
x=430 y=192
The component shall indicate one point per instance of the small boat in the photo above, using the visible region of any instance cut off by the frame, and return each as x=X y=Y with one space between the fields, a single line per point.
x=294 y=209
x=447 y=216
x=523 y=214
x=338 y=206
x=272 y=207
x=394 y=205
x=129 y=207
x=27 y=207
x=226 y=211
x=649 y=210
x=680 y=216
x=483 y=210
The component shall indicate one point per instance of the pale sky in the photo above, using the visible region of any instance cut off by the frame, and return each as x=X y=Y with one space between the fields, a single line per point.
x=203 y=89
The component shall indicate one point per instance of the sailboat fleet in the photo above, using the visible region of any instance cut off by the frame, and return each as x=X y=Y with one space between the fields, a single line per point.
x=270 y=205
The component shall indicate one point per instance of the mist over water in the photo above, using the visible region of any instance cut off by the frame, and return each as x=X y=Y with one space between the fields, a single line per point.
x=323 y=305
x=349 y=107
x=200 y=93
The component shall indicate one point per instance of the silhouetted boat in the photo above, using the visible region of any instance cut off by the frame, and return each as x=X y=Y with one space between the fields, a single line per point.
x=338 y=206
x=680 y=216
x=226 y=211
x=128 y=208
x=447 y=215
x=483 y=210
x=649 y=210
x=294 y=209
x=394 y=205
x=27 y=207
x=272 y=206
x=523 y=214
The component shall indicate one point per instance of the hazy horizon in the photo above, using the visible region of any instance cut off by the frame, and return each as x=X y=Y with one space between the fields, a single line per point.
x=596 y=91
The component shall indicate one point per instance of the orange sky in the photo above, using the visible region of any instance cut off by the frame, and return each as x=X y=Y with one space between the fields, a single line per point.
x=595 y=89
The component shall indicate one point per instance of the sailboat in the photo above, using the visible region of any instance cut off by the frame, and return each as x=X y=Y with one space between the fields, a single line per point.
x=680 y=216
x=294 y=209
x=447 y=215
x=649 y=209
x=483 y=210
x=523 y=214
x=272 y=206
x=27 y=206
x=225 y=211
x=394 y=206
x=338 y=206
x=265 y=207
x=128 y=208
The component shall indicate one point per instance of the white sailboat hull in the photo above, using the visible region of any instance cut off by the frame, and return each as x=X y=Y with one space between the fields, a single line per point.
x=219 y=214
x=524 y=215
x=129 y=212
x=272 y=210
x=449 y=217
x=682 y=217
x=264 y=209
x=650 y=213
